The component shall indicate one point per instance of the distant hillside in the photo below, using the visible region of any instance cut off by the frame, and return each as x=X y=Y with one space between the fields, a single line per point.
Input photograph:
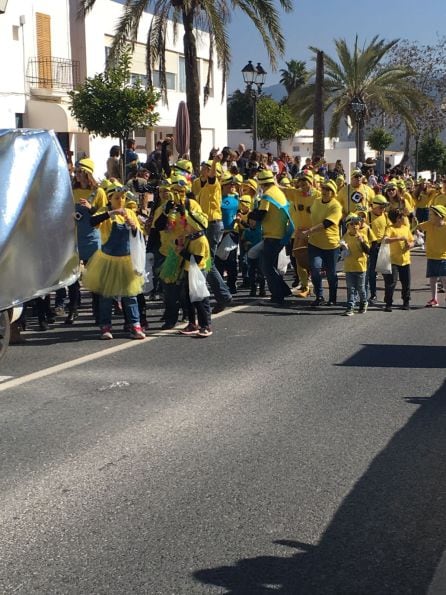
x=277 y=92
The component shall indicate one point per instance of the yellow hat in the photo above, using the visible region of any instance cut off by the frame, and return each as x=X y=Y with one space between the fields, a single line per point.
x=356 y=173
x=197 y=220
x=353 y=218
x=285 y=182
x=440 y=210
x=238 y=179
x=131 y=203
x=266 y=176
x=251 y=184
x=331 y=185
x=305 y=177
x=180 y=182
x=86 y=165
x=115 y=187
x=218 y=167
x=245 y=199
x=401 y=184
x=227 y=178
x=184 y=165
x=105 y=184
x=379 y=199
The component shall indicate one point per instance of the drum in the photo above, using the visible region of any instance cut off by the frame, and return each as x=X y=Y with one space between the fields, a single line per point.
x=300 y=251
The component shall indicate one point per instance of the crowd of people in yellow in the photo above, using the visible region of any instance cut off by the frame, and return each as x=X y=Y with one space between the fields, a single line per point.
x=224 y=229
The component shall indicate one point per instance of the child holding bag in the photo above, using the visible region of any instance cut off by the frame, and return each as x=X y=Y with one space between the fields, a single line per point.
x=195 y=244
x=399 y=237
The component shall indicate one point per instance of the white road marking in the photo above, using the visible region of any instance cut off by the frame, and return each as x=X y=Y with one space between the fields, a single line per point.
x=3 y=378
x=8 y=384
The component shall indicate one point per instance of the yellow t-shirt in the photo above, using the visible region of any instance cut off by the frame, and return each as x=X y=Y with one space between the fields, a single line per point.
x=399 y=254
x=435 y=240
x=362 y=195
x=327 y=239
x=100 y=198
x=275 y=221
x=197 y=186
x=301 y=206
x=198 y=247
x=379 y=224
x=356 y=260
x=426 y=199
x=209 y=198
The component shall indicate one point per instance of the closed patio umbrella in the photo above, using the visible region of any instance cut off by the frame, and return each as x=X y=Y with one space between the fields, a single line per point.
x=182 y=129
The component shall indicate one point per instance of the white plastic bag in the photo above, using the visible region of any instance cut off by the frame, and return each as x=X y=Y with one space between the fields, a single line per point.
x=148 y=275
x=282 y=262
x=138 y=252
x=226 y=246
x=255 y=251
x=383 y=264
x=198 y=290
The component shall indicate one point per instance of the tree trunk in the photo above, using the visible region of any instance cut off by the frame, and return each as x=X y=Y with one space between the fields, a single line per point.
x=361 y=140
x=192 y=87
x=406 y=155
x=319 y=121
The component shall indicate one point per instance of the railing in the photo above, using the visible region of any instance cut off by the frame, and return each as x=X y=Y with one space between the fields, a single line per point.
x=52 y=73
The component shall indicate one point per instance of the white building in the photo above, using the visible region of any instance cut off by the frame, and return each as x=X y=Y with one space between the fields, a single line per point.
x=47 y=50
x=90 y=39
x=36 y=69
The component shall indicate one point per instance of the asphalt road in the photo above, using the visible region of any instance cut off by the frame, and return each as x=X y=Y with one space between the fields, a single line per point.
x=291 y=452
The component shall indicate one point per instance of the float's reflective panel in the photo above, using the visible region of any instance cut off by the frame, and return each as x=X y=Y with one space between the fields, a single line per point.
x=38 y=250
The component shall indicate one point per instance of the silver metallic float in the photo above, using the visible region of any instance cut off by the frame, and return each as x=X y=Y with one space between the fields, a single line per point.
x=38 y=250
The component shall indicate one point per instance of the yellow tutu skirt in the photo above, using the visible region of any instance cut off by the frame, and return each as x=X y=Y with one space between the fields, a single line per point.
x=112 y=276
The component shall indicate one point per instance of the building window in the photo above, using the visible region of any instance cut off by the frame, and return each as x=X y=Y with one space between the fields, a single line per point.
x=182 y=75
x=171 y=79
x=141 y=77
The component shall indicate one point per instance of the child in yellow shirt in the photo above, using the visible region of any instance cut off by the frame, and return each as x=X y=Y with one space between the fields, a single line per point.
x=400 y=238
x=355 y=263
x=435 y=250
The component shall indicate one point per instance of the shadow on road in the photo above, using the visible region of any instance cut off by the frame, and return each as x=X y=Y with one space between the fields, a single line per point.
x=398 y=356
x=389 y=533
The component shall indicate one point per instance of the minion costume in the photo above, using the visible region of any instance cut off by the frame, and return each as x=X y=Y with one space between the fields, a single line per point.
x=88 y=238
x=229 y=209
x=196 y=245
x=110 y=272
x=302 y=199
x=170 y=221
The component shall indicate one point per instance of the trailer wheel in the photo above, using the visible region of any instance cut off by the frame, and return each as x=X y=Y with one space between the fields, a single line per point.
x=5 y=332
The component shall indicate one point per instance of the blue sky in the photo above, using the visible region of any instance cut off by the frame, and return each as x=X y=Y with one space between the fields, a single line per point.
x=318 y=23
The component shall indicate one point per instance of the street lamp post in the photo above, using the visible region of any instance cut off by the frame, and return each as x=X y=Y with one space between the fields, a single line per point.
x=358 y=108
x=254 y=75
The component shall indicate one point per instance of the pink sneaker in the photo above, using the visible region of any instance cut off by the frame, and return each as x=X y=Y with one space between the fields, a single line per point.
x=137 y=332
x=432 y=304
x=106 y=333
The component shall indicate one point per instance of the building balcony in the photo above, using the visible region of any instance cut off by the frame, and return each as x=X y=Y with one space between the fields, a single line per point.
x=51 y=78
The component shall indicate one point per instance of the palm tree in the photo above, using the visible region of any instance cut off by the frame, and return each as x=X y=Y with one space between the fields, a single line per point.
x=294 y=76
x=359 y=75
x=206 y=15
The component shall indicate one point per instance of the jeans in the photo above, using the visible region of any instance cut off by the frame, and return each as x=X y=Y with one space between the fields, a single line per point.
x=255 y=274
x=403 y=272
x=319 y=257
x=270 y=254
x=214 y=234
x=371 y=270
x=130 y=305
x=355 y=287
x=422 y=214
